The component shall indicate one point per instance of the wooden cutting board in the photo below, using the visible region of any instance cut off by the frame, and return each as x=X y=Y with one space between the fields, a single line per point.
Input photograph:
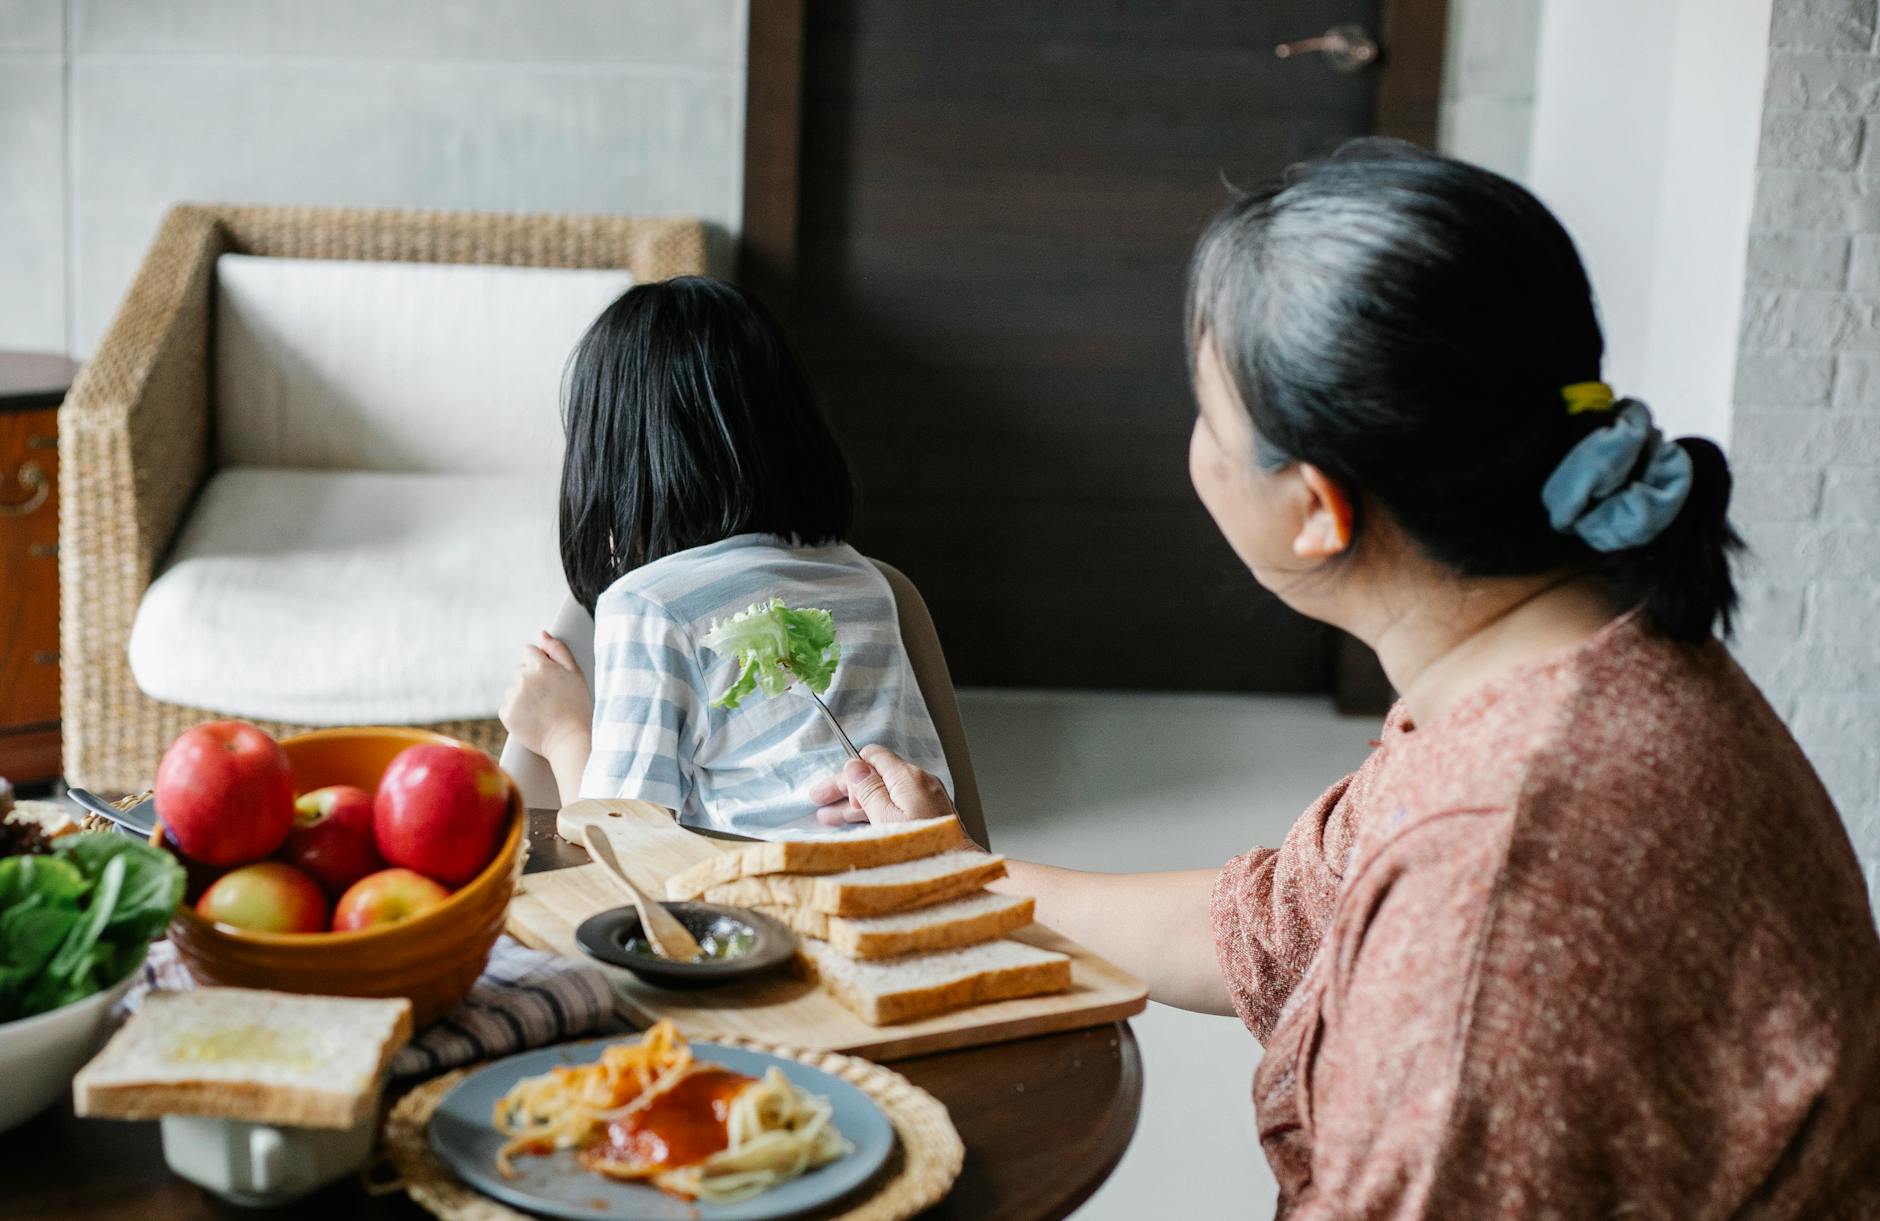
x=781 y=1008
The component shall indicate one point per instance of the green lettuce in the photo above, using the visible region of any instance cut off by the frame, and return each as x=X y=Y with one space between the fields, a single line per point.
x=775 y=646
x=78 y=920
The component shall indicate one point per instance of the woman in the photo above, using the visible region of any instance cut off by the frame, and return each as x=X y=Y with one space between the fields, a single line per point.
x=1584 y=937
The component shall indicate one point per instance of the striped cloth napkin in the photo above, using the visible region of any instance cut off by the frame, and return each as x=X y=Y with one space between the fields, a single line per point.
x=524 y=998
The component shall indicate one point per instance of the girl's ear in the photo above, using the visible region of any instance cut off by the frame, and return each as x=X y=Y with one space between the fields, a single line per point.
x=1326 y=530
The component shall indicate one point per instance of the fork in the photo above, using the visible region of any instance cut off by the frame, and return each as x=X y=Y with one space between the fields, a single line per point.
x=800 y=685
x=831 y=718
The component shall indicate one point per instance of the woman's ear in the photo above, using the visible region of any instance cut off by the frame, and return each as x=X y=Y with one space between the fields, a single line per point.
x=1326 y=530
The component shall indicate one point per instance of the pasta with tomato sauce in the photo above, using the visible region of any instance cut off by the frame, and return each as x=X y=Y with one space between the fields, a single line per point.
x=649 y=1111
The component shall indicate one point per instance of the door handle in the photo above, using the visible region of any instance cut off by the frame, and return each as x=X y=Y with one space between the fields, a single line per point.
x=33 y=478
x=1347 y=48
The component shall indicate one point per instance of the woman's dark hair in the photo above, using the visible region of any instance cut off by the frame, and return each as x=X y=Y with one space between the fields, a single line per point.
x=687 y=420
x=1406 y=323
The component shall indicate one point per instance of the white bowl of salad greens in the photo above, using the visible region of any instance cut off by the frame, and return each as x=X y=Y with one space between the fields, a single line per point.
x=75 y=924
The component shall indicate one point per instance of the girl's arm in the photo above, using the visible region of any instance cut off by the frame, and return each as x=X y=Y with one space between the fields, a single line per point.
x=567 y=757
x=549 y=710
x=1154 y=925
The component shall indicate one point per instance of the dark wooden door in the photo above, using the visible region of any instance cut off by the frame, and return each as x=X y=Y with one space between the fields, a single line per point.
x=997 y=203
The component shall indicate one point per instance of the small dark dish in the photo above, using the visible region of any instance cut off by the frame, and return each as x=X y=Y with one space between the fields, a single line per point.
x=605 y=936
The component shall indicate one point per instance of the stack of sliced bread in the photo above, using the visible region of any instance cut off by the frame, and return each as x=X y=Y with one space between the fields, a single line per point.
x=894 y=921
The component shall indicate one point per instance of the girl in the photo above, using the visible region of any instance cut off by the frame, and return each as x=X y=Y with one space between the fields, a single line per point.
x=698 y=478
x=1585 y=936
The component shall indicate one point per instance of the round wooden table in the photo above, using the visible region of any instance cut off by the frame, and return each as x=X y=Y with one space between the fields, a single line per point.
x=1045 y=1121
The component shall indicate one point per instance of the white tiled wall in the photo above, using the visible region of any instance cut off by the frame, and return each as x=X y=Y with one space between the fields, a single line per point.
x=31 y=25
x=111 y=110
x=32 y=159
x=1488 y=83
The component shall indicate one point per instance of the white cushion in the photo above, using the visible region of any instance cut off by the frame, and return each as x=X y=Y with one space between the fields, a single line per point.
x=349 y=597
x=396 y=366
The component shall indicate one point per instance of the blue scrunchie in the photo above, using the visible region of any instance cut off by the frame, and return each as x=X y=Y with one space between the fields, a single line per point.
x=1592 y=492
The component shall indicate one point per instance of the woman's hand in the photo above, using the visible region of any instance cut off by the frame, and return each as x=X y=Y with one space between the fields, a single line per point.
x=549 y=709
x=886 y=789
x=1154 y=924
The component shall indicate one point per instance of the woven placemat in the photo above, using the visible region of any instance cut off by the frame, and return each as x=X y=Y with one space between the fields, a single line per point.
x=926 y=1159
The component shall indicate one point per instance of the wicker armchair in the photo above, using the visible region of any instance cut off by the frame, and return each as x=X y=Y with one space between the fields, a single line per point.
x=135 y=431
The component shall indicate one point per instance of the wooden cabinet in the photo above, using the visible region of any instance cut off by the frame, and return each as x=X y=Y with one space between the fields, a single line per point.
x=31 y=387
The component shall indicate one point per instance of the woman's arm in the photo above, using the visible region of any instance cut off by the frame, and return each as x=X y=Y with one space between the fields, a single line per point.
x=1154 y=925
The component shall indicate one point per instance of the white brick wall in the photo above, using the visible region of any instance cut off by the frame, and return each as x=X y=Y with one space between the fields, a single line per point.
x=1806 y=434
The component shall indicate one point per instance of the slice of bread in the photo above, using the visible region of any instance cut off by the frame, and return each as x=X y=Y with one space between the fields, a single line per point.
x=868 y=892
x=943 y=926
x=864 y=848
x=238 y=1053
x=53 y=820
x=901 y=989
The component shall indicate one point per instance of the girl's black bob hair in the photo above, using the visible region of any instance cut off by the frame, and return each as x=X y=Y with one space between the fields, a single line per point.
x=687 y=419
x=1405 y=322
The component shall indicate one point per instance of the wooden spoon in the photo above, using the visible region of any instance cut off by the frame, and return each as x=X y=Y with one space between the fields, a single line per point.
x=669 y=938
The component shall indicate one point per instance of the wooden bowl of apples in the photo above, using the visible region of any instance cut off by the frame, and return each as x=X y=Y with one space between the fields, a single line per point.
x=389 y=873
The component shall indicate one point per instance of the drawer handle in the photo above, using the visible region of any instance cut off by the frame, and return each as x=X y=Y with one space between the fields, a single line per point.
x=30 y=476
x=42 y=442
x=45 y=658
x=43 y=551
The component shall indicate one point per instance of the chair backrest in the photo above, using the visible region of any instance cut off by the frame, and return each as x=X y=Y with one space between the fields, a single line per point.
x=922 y=643
x=574 y=627
x=341 y=364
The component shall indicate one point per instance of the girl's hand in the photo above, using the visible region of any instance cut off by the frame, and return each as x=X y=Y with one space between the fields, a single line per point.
x=886 y=789
x=548 y=706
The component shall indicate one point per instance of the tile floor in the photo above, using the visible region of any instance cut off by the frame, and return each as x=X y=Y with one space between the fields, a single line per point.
x=1140 y=782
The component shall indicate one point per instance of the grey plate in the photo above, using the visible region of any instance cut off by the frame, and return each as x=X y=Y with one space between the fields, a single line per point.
x=558 y=1186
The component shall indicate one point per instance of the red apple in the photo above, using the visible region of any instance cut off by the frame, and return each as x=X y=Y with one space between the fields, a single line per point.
x=225 y=791
x=442 y=811
x=332 y=837
x=269 y=897
x=197 y=877
x=386 y=897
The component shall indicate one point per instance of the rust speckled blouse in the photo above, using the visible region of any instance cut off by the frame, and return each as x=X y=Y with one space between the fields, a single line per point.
x=1593 y=944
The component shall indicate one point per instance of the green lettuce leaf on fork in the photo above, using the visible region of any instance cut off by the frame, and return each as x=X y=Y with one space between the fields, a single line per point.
x=774 y=646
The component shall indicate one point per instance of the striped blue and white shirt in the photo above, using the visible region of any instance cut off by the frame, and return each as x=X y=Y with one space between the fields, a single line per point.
x=656 y=736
